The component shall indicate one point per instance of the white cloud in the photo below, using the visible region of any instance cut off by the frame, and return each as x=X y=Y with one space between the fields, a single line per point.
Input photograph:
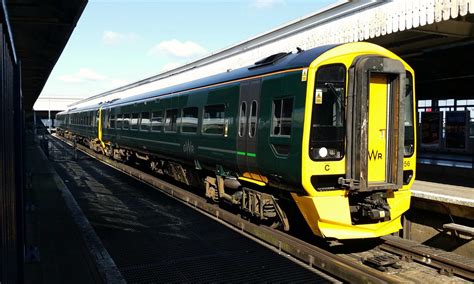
x=261 y=4
x=170 y=66
x=115 y=83
x=177 y=48
x=70 y=78
x=91 y=75
x=84 y=74
x=111 y=38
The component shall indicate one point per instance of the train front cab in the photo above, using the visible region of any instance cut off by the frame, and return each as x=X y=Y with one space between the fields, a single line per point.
x=358 y=155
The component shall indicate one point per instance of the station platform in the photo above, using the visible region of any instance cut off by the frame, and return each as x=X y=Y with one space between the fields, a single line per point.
x=443 y=198
x=445 y=184
x=441 y=215
x=459 y=195
x=55 y=251
x=124 y=231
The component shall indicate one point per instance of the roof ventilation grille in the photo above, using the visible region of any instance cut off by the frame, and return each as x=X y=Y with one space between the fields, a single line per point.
x=270 y=59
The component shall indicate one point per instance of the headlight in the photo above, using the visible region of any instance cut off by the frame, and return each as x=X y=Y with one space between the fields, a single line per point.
x=324 y=153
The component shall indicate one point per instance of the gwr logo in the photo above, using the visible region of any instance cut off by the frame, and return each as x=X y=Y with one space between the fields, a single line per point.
x=375 y=155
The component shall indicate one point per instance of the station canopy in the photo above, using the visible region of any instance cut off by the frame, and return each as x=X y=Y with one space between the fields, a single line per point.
x=436 y=37
x=41 y=29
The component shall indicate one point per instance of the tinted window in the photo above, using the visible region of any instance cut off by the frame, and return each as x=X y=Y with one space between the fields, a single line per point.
x=242 y=118
x=119 y=121
x=409 y=129
x=112 y=121
x=213 y=121
x=189 y=120
x=327 y=121
x=157 y=121
x=145 y=121
x=281 y=117
x=171 y=117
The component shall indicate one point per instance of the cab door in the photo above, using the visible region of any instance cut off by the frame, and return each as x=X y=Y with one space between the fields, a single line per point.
x=378 y=127
x=247 y=132
x=375 y=132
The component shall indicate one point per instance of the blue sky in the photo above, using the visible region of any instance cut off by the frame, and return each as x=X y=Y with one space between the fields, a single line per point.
x=121 y=41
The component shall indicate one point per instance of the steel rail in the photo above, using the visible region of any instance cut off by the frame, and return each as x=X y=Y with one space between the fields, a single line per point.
x=441 y=260
x=313 y=256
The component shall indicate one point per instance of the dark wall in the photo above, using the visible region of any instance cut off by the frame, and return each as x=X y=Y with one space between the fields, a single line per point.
x=444 y=73
x=11 y=160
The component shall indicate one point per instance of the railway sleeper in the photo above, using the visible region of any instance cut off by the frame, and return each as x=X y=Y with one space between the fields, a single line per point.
x=382 y=262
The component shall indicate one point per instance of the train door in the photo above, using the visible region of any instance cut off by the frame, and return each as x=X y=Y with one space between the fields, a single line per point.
x=247 y=132
x=375 y=133
x=100 y=125
x=378 y=127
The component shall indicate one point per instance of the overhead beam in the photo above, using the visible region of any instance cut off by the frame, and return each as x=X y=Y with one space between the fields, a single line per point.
x=451 y=28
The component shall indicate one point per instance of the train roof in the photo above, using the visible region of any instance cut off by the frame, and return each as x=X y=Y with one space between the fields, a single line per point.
x=274 y=63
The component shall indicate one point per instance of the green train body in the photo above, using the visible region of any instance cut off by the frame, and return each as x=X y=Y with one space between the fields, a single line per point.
x=243 y=129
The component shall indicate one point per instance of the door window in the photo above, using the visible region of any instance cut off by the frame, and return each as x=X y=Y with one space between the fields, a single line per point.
x=253 y=119
x=242 y=118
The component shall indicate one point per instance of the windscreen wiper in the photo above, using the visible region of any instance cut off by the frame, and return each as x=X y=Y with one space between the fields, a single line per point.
x=334 y=93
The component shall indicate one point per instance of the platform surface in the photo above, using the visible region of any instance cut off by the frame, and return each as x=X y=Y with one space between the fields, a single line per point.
x=55 y=250
x=451 y=194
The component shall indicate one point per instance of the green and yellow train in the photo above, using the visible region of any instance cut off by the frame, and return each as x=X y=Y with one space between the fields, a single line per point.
x=329 y=129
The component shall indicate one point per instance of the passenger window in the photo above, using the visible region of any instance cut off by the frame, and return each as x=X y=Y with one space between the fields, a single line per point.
x=119 y=121
x=112 y=121
x=134 y=121
x=157 y=121
x=171 y=117
x=189 y=120
x=145 y=121
x=126 y=121
x=253 y=119
x=281 y=117
x=242 y=119
x=214 y=119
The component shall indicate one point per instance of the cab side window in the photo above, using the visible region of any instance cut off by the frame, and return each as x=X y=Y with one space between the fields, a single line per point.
x=281 y=117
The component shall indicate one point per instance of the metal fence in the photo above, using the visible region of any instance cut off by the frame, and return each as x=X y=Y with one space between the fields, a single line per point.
x=11 y=159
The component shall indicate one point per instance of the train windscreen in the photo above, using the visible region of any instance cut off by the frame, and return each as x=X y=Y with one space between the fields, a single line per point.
x=328 y=121
x=409 y=129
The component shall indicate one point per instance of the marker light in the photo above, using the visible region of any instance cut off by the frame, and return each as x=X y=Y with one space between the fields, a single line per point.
x=323 y=152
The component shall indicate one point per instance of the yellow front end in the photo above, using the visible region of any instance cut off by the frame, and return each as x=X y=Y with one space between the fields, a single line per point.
x=329 y=216
x=327 y=212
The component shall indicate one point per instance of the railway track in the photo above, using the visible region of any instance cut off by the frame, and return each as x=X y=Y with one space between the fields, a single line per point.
x=348 y=267
x=447 y=263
